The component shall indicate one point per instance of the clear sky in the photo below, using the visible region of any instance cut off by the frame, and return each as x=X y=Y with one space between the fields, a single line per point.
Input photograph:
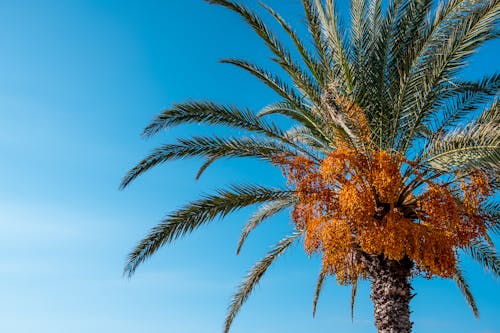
x=78 y=81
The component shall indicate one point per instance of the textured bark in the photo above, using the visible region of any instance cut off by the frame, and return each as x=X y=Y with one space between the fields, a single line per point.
x=390 y=293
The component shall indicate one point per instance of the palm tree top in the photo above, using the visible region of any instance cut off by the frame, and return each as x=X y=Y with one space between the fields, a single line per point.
x=392 y=157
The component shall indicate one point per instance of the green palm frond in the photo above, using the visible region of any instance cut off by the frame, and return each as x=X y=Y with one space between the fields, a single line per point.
x=315 y=29
x=490 y=115
x=306 y=84
x=492 y=210
x=431 y=71
x=485 y=255
x=211 y=148
x=473 y=146
x=374 y=59
x=263 y=213
x=408 y=17
x=256 y=23
x=197 y=213
x=445 y=12
x=254 y=276
x=204 y=166
x=372 y=70
x=272 y=81
x=462 y=284
x=317 y=292
x=206 y=112
x=463 y=99
x=359 y=30
x=308 y=120
x=307 y=90
x=434 y=33
x=314 y=67
x=303 y=135
x=332 y=31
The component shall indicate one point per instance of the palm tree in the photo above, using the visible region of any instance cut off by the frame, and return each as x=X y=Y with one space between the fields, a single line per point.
x=391 y=165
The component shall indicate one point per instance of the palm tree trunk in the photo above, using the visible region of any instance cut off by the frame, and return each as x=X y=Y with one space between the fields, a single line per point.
x=390 y=293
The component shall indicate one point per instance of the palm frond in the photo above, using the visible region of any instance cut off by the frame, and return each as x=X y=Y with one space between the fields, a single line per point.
x=485 y=255
x=473 y=146
x=302 y=79
x=490 y=114
x=463 y=99
x=408 y=18
x=462 y=284
x=491 y=209
x=197 y=213
x=433 y=32
x=309 y=120
x=272 y=81
x=372 y=70
x=205 y=166
x=317 y=292
x=331 y=28
x=303 y=135
x=359 y=9
x=314 y=67
x=211 y=148
x=314 y=26
x=263 y=213
x=206 y=112
x=257 y=25
x=254 y=277
x=425 y=85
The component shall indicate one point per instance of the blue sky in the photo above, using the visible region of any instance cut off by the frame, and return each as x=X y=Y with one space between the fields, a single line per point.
x=78 y=81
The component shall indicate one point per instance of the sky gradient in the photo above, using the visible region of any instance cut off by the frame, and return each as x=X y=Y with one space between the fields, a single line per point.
x=78 y=82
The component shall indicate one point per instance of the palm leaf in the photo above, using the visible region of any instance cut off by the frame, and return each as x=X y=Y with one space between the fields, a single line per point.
x=303 y=135
x=491 y=209
x=473 y=146
x=425 y=86
x=408 y=18
x=309 y=120
x=462 y=101
x=331 y=29
x=272 y=81
x=197 y=213
x=208 y=147
x=315 y=29
x=317 y=292
x=314 y=67
x=486 y=255
x=462 y=284
x=206 y=112
x=205 y=166
x=490 y=115
x=302 y=80
x=254 y=276
x=266 y=211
